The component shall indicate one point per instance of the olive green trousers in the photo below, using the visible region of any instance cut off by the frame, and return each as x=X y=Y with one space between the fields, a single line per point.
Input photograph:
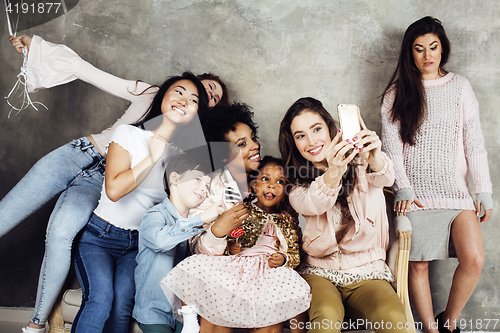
x=371 y=304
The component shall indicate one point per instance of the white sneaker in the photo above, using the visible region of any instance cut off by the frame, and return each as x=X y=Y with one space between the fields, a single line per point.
x=33 y=330
x=190 y=319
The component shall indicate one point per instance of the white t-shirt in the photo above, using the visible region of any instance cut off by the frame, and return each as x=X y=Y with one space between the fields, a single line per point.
x=126 y=213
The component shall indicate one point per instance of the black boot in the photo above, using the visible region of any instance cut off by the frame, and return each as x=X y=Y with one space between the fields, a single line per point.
x=443 y=329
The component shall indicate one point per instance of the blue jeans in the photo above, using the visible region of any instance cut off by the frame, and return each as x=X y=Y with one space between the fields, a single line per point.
x=77 y=169
x=105 y=264
x=161 y=328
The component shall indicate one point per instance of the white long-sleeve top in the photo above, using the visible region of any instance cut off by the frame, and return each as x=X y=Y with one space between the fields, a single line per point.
x=51 y=65
x=448 y=144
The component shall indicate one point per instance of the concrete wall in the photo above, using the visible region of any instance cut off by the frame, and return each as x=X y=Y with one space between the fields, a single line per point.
x=270 y=53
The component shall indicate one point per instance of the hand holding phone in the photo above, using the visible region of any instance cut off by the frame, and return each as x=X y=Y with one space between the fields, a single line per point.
x=368 y=143
x=349 y=119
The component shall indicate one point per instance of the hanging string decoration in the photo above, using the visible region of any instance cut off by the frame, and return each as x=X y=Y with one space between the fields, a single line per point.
x=20 y=89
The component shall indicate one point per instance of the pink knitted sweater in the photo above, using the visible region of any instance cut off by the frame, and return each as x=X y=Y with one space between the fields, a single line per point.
x=449 y=140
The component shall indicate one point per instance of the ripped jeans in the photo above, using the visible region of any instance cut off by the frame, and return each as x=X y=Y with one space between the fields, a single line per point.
x=77 y=170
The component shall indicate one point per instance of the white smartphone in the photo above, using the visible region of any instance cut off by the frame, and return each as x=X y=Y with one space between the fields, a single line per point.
x=349 y=120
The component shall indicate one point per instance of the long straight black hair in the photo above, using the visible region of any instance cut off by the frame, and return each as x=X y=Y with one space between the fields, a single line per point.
x=409 y=106
x=192 y=134
x=154 y=109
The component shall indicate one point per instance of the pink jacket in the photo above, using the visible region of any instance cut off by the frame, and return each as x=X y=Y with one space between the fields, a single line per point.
x=367 y=241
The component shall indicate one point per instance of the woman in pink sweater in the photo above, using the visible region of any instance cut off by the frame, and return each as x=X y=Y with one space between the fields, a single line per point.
x=340 y=193
x=431 y=130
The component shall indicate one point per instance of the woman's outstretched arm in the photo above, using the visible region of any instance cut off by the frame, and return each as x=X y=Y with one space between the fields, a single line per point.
x=120 y=178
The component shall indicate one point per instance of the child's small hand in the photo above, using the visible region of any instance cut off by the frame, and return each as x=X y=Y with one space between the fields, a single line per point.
x=229 y=220
x=212 y=212
x=233 y=247
x=276 y=260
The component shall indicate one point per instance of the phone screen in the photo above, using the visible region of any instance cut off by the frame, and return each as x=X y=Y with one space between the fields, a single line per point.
x=349 y=120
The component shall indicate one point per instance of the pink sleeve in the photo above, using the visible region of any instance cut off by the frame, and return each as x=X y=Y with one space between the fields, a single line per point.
x=51 y=65
x=475 y=153
x=315 y=199
x=207 y=243
x=392 y=144
x=383 y=177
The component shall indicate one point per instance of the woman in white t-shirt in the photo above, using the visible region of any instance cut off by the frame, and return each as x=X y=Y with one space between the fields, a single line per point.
x=105 y=250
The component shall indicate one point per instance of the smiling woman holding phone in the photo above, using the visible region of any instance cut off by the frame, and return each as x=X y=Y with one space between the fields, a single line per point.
x=339 y=190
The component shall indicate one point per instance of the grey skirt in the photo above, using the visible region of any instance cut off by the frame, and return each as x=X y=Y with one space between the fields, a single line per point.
x=430 y=236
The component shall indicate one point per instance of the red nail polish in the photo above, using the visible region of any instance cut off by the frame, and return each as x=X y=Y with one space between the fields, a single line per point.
x=355 y=138
x=339 y=131
x=361 y=150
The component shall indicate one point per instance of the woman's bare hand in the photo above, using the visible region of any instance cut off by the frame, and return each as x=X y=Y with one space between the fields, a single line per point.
x=403 y=206
x=157 y=146
x=20 y=42
x=229 y=220
x=369 y=146
x=337 y=159
x=487 y=212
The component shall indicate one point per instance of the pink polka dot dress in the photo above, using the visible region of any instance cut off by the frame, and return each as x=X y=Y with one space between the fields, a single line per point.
x=242 y=290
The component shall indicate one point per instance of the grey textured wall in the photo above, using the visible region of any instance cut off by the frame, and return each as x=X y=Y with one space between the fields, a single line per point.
x=270 y=52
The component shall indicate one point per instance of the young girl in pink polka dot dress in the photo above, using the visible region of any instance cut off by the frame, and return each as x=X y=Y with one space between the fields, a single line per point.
x=257 y=287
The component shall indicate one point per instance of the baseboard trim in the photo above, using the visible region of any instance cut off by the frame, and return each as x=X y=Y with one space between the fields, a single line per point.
x=15 y=315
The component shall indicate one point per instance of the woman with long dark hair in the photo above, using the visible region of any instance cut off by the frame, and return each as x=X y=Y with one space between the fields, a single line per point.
x=339 y=190
x=106 y=249
x=431 y=130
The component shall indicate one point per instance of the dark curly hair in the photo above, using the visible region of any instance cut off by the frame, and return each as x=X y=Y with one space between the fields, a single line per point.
x=222 y=120
x=284 y=205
